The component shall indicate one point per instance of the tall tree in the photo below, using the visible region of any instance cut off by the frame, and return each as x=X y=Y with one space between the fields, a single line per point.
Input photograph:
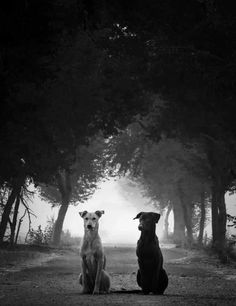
x=58 y=89
x=75 y=184
x=183 y=51
x=190 y=57
x=169 y=172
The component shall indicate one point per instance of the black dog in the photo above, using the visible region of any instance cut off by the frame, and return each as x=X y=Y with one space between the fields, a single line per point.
x=151 y=276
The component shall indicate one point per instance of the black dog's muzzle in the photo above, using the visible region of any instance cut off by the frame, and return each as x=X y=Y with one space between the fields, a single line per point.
x=140 y=227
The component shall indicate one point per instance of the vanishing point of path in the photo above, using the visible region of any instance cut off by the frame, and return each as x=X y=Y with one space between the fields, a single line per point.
x=194 y=279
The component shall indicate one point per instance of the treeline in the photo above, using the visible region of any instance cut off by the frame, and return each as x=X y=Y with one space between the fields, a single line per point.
x=173 y=175
x=72 y=68
x=58 y=90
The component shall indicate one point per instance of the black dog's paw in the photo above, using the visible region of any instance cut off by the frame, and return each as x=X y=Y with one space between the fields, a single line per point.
x=139 y=279
x=145 y=287
x=162 y=283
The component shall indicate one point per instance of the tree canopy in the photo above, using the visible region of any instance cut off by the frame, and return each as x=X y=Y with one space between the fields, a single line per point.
x=71 y=68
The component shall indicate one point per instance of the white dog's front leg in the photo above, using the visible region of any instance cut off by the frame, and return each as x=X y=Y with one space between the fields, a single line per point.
x=85 y=279
x=98 y=276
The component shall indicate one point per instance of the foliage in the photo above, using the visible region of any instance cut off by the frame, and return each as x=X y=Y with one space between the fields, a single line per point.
x=86 y=172
x=44 y=236
x=232 y=223
x=58 y=89
x=69 y=68
x=4 y=194
x=191 y=63
x=123 y=152
x=197 y=215
x=170 y=163
x=231 y=239
x=41 y=236
x=36 y=236
x=159 y=167
x=68 y=90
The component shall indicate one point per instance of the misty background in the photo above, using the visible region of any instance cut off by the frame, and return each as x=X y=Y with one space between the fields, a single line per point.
x=116 y=225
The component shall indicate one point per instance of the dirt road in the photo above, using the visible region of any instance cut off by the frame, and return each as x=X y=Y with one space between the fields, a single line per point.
x=194 y=279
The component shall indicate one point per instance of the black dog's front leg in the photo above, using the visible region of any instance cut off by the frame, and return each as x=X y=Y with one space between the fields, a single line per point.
x=157 y=266
x=160 y=284
x=144 y=278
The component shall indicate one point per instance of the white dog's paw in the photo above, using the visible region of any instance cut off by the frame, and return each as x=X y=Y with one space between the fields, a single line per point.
x=95 y=291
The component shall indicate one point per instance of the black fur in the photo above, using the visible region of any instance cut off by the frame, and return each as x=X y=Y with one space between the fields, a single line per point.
x=151 y=276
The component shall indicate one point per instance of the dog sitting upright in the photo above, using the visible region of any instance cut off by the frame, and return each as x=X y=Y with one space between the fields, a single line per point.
x=94 y=278
x=151 y=276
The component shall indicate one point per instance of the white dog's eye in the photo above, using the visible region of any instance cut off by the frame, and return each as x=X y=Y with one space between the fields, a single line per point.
x=86 y=219
x=94 y=219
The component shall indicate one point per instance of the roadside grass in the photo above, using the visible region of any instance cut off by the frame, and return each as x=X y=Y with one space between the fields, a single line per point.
x=21 y=253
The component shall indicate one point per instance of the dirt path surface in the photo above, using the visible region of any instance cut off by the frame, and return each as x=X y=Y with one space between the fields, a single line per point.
x=194 y=279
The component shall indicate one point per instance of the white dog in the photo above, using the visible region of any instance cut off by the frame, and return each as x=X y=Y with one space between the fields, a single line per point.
x=94 y=278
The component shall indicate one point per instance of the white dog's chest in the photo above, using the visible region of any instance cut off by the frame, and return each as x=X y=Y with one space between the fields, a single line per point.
x=90 y=259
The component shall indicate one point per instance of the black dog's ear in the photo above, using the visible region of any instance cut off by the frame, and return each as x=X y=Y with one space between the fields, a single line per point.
x=83 y=213
x=138 y=215
x=99 y=213
x=156 y=217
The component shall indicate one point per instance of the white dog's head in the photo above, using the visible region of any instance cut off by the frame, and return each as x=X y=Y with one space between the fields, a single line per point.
x=91 y=219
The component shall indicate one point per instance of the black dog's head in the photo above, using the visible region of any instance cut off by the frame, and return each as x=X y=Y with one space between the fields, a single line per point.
x=147 y=220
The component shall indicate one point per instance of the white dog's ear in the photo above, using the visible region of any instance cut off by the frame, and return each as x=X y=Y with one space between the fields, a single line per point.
x=138 y=215
x=83 y=213
x=99 y=213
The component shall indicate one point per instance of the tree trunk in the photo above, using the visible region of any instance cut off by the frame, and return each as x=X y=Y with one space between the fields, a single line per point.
x=214 y=217
x=188 y=223
x=18 y=230
x=19 y=226
x=218 y=216
x=64 y=184
x=14 y=220
x=179 y=227
x=166 y=221
x=7 y=209
x=187 y=215
x=59 y=223
x=221 y=179
x=202 y=219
